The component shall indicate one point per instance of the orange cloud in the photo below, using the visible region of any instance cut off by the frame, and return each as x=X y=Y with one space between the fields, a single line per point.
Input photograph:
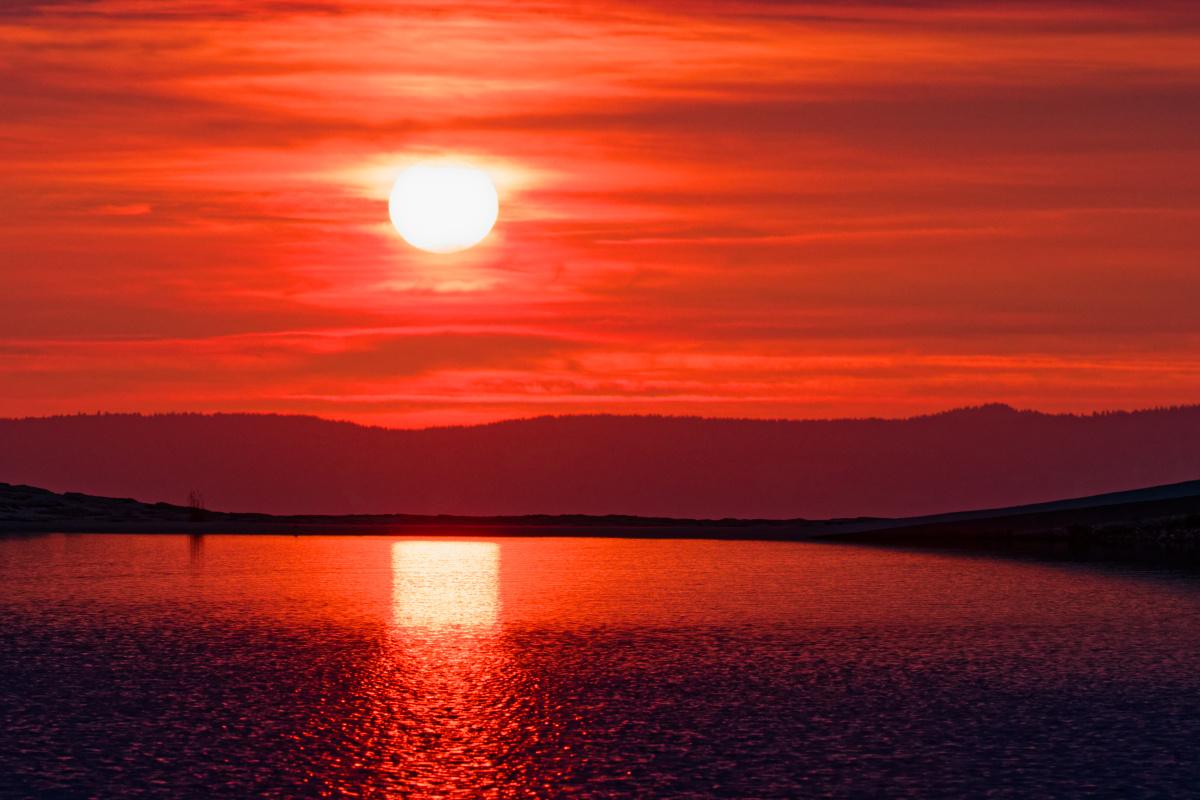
x=708 y=207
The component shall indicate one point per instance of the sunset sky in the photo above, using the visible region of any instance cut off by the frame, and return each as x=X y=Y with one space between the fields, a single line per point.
x=760 y=209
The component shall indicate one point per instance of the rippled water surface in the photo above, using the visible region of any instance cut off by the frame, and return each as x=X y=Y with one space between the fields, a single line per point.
x=272 y=666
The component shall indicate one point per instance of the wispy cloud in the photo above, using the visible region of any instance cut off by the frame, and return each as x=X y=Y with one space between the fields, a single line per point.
x=758 y=208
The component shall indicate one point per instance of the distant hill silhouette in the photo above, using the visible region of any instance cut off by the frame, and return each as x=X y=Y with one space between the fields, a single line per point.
x=1158 y=515
x=983 y=457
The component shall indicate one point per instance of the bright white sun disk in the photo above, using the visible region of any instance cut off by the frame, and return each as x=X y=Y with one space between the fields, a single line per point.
x=443 y=208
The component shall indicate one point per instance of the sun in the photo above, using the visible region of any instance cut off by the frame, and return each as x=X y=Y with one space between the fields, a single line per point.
x=443 y=208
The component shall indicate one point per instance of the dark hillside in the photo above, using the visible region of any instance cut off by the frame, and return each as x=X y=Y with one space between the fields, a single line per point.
x=653 y=466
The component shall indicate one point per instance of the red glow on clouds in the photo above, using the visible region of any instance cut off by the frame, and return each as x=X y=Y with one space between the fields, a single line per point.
x=707 y=208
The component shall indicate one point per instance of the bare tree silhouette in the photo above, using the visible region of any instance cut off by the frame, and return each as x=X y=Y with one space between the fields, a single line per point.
x=195 y=503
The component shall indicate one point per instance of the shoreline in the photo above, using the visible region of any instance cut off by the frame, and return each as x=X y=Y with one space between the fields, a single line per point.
x=1164 y=518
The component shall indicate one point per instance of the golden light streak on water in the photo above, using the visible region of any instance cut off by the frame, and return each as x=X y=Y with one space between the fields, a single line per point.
x=439 y=585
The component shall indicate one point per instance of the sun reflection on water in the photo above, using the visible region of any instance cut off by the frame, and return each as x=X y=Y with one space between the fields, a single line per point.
x=443 y=706
x=454 y=710
x=439 y=585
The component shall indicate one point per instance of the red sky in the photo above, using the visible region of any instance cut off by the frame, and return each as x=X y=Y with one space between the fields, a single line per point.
x=754 y=209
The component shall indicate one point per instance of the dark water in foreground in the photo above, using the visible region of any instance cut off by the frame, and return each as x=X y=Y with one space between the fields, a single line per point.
x=143 y=666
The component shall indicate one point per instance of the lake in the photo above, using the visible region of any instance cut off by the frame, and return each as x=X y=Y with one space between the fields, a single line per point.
x=278 y=666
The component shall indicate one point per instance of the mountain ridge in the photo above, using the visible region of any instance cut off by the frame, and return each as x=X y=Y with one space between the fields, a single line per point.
x=982 y=457
x=995 y=409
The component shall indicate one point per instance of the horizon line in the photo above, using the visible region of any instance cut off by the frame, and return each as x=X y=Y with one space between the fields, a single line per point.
x=981 y=407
